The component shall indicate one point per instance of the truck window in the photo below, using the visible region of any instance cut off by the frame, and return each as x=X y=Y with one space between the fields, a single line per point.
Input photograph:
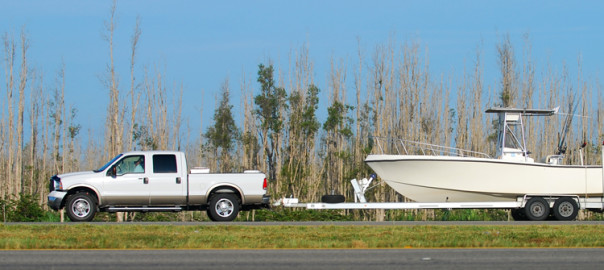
x=131 y=164
x=164 y=164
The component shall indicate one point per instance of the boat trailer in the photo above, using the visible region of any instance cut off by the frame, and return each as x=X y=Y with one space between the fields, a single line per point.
x=528 y=207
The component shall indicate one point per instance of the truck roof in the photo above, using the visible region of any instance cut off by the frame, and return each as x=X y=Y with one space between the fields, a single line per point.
x=151 y=152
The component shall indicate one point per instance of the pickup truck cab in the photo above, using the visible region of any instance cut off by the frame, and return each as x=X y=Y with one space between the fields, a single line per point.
x=146 y=181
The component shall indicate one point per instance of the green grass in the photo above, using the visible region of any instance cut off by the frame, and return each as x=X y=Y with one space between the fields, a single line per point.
x=95 y=236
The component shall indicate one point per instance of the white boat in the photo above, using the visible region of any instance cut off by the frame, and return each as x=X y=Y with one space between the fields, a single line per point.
x=430 y=173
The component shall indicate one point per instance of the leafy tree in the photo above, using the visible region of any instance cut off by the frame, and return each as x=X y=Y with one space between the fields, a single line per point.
x=310 y=124
x=337 y=120
x=303 y=126
x=338 y=131
x=222 y=137
x=142 y=137
x=270 y=104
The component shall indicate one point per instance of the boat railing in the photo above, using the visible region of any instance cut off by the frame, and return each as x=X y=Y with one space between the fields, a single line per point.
x=407 y=147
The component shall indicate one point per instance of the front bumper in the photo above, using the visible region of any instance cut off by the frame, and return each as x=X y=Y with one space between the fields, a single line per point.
x=55 y=199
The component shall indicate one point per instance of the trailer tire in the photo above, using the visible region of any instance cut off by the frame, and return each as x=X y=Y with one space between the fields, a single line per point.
x=223 y=207
x=80 y=207
x=537 y=209
x=566 y=208
x=333 y=199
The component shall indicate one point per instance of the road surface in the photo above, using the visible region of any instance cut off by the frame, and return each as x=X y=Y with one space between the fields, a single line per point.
x=294 y=259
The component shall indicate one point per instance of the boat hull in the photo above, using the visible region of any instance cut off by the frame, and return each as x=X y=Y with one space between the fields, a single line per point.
x=465 y=179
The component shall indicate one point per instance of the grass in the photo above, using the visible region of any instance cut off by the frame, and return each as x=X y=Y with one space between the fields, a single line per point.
x=94 y=236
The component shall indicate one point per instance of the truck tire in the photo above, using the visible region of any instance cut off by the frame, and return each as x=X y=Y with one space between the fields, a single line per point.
x=209 y=213
x=566 y=208
x=223 y=207
x=537 y=209
x=81 y=207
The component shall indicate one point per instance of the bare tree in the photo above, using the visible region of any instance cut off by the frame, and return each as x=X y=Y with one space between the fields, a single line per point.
x=9 y=51
x=114 y=134
x=507 y=67
x=134 y=93
x=21 y=108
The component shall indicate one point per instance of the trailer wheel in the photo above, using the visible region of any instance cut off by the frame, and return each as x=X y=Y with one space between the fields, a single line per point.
x=566 y=208
x=537 y=209
x=333 y=199
x=223 y=207
x=81 y=207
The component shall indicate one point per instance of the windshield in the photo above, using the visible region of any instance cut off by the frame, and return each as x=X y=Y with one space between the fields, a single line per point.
x=108 y=163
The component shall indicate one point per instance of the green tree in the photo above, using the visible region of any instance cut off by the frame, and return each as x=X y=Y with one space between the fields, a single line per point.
x=310 y=124
x=338 y=132
x=222 y=137
x=270 y=104
x=303 y=126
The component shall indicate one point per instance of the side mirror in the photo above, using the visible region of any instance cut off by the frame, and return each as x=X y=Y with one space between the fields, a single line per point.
x=112 y=171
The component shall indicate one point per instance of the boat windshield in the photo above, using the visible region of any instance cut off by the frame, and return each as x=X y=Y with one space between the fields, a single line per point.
x=108 y=163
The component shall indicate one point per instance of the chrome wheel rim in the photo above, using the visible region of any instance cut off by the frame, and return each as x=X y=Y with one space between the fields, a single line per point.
x=224 y=207
x=80 y=208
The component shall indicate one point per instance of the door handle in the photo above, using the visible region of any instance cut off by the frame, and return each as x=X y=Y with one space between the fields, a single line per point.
x=145 y=180
x=178 y=181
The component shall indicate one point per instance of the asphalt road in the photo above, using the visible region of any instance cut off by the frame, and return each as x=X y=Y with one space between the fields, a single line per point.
x=327 y=223
x=293 y=259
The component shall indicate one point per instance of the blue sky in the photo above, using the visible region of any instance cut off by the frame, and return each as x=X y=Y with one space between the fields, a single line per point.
x=201 y=43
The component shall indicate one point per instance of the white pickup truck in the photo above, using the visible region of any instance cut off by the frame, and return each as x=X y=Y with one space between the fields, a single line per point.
x=148 y=181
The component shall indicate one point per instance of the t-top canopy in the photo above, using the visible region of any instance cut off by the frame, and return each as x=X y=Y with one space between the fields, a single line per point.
x=527 y=112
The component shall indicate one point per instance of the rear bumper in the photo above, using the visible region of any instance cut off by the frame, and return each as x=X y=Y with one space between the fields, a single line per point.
x=266 y=199
x=264 y=203
x=55 y=199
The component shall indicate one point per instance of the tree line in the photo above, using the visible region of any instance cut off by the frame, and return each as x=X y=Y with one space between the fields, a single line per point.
x=387 y=92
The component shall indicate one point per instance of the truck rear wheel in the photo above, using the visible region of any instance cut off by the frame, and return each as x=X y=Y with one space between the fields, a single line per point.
x=223 y=207
x=566 y=208
x=81 y=207
x=209 y=213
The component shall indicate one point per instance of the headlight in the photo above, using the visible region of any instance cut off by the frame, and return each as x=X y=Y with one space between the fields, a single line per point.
x=55 y=183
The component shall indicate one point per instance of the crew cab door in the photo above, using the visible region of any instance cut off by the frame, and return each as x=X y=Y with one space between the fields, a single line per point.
x=126 y=182
x=166 y=184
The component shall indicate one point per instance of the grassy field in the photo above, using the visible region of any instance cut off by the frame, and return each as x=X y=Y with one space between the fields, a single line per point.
x=94 y=236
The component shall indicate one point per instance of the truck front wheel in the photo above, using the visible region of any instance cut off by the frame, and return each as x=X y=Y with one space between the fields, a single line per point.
x=223 y=207
x=81 y=207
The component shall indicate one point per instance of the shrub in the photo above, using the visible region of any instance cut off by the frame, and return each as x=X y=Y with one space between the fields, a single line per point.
x=24 y=209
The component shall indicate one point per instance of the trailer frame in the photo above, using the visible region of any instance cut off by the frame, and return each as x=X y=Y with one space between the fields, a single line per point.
x=532 y=211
